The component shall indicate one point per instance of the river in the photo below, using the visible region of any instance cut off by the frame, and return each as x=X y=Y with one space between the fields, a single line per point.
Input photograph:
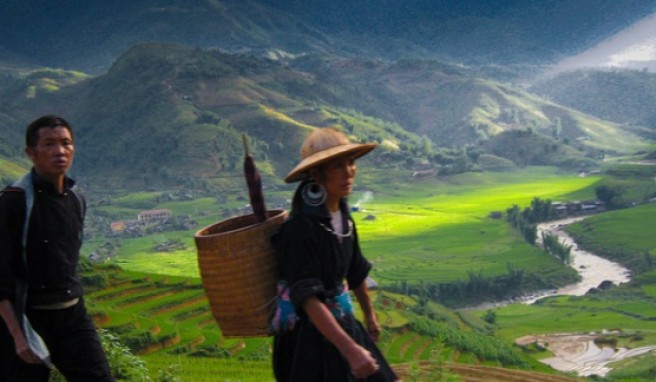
x=593 y=269
x=575 y=352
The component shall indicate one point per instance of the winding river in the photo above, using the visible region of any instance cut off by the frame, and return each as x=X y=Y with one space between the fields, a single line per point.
x=593 y=269
x=578 y=352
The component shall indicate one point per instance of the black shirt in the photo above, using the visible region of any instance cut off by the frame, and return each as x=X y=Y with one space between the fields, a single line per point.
x=53 y=243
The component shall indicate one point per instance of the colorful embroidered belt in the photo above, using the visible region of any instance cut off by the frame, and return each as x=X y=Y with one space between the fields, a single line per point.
x=285 y=317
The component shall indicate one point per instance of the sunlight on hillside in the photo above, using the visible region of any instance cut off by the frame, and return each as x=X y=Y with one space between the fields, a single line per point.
x=427 y=221
x=610 y=137
x=283 y=117
x=10 y=169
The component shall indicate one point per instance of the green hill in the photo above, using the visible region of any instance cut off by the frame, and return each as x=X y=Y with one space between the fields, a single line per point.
x=453 y=106
x=622 y=96
x=168 y=115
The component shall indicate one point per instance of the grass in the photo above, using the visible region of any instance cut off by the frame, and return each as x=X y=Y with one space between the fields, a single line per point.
x=514 y=321
x=10 y=170
x=625 y=236
x=424 y=230
x=629 y=308
x=202 y=369
x=438 y=230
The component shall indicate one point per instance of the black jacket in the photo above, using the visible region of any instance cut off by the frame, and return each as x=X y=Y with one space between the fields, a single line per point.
x=53 y=243
x=315 y=263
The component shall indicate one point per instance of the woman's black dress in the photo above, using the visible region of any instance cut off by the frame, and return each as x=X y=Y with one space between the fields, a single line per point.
x=315 y=262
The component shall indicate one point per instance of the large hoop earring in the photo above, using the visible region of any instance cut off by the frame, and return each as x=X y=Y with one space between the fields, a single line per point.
x=313 y=194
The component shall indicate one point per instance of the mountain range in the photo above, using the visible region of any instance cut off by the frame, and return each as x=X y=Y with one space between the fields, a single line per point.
x=89 y=36
x=160 y=92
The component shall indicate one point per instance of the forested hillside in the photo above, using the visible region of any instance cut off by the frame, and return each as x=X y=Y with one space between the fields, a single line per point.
x=474 y=32
x=167 y=114
x=621 y=96
x=434 y=83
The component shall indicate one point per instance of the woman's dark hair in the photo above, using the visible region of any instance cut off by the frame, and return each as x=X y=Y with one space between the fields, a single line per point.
x=49 y=121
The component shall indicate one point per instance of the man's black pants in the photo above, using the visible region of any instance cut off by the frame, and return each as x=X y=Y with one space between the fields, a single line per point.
x=74 y=346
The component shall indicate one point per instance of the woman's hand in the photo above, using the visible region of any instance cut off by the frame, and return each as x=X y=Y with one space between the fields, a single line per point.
x=373 y=327
x=361 y=362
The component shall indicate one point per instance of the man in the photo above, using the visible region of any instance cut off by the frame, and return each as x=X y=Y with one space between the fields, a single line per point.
x=39 y=285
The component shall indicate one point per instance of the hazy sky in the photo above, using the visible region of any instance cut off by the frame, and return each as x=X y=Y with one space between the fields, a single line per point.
x=634 y=47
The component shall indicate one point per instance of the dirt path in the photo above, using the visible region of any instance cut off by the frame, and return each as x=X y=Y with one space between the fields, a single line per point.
x=427 y=371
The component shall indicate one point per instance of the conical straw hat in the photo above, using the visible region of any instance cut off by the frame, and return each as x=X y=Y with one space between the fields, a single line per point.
x=322 y=146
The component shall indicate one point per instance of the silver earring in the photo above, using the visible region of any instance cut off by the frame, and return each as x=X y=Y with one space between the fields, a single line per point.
x=313 y=194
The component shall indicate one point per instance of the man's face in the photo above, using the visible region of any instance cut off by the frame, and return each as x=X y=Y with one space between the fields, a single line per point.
x=53 y=154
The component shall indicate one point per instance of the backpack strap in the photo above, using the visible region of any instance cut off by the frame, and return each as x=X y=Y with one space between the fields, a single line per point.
x=25 y=184
x=35 y=341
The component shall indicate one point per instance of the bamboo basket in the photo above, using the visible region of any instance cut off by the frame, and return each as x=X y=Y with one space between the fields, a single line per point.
x=238 y=267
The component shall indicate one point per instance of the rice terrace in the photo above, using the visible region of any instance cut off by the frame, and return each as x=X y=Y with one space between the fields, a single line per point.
x=419 y=234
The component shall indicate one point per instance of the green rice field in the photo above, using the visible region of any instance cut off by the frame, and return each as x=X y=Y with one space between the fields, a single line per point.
x=413 y=230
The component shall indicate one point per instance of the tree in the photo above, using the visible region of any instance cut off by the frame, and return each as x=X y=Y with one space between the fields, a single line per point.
x=490 y=317
x=611 y=196
x=426 y=146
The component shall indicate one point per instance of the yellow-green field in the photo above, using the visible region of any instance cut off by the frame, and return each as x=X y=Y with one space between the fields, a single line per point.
x=428 y=229
x=431 y=230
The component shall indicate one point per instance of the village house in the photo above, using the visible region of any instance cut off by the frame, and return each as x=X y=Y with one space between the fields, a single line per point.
x=144 y=218
x=559 y=208
x=424 y=173
x=118 y=227
x=577 y=208
x=154 y=216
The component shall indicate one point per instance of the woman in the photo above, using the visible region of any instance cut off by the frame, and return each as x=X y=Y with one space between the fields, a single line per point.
x=317 y=337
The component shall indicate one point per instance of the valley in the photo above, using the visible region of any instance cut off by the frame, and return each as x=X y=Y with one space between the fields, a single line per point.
x=445 y=205
x=483 y=144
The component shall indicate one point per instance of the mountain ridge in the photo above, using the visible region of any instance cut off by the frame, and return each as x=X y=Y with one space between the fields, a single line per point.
x=273 y=69
x=472 y=32
x=166 y=114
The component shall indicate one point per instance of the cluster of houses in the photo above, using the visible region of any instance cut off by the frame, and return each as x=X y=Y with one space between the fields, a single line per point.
x=144 y=218
x=564 y=209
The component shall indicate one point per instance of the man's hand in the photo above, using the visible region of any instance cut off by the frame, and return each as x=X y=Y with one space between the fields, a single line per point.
x=8 y=315
x=24 y=352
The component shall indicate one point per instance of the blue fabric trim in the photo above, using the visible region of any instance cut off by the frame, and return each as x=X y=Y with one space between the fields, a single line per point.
x=285 y=318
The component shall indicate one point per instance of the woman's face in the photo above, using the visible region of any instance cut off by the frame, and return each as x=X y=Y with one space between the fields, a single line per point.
x=337 y=177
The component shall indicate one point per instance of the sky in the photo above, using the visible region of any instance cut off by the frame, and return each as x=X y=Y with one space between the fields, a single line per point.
x=633 y=48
